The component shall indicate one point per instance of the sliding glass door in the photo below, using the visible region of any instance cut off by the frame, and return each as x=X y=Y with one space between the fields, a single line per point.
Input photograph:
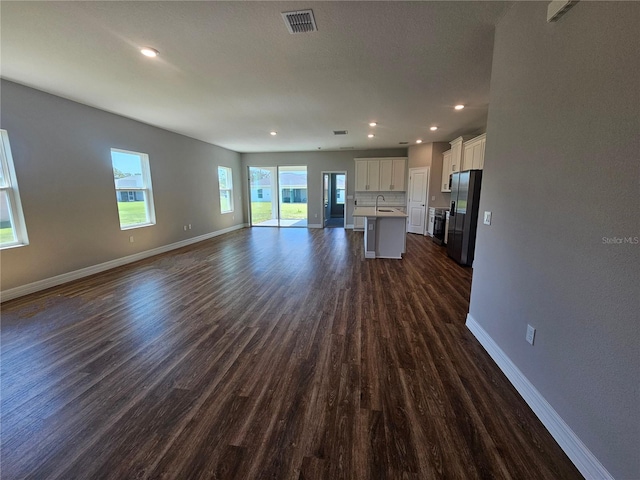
x=278 y=196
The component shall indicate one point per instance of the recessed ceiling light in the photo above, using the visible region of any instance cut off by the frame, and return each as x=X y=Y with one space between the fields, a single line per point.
x=373 y=124
x=149 y=52
x=433 y=129
x=459 y=107
x=274 y=133
x=418 y=141
x=371 y=135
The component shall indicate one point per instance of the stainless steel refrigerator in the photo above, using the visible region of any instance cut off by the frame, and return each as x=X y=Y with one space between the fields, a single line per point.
x=463 y=216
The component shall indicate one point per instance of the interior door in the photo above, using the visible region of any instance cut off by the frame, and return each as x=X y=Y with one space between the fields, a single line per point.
x=418 y=194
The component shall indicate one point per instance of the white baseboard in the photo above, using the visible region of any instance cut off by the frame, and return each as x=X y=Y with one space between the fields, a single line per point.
x=578 y=453
x=314 y=225
x=349 y=226
x=85 y=272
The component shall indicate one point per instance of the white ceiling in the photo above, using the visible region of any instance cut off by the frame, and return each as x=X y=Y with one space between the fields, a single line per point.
x=229 y=72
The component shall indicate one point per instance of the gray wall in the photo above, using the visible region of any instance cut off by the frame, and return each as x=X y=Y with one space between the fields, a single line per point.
x=316 y=163
x=562 y=171
x=61 y=151
x=430 y=155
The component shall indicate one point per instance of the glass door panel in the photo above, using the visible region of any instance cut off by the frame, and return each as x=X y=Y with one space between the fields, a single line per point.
x=293 y=196
x=263 y=193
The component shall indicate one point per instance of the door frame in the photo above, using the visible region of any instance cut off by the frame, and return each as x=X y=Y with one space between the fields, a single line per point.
x=426 y=197
x=346 y=178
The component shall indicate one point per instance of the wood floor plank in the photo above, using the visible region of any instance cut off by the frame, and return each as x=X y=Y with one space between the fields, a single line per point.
x=263 y=353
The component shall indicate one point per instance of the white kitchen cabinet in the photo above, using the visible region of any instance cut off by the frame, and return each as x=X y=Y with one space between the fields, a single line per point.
x=367 y=175
x=446 y=171
x=452 y=161
x=381 y=174
x=432 y=221
x=456 y=153
x=393 y=172
x=473 y=153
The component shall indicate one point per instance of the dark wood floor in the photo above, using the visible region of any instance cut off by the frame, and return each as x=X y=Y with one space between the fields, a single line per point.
x=263 y=353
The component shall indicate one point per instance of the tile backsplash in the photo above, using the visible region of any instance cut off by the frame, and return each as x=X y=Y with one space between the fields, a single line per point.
x=391 y=199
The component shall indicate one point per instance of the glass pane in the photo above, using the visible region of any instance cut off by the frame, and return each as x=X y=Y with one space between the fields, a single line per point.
x=7 y=233
x=226 y=204
x=132 y=207
x=293 y=196
x=127 y=169
x=340 y=189
x=223 y=174
x=264 y=209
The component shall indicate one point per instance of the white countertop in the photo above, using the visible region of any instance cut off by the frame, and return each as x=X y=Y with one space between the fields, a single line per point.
x=371 y=212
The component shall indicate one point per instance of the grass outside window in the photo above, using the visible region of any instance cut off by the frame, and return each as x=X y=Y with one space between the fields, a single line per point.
x=261 y=211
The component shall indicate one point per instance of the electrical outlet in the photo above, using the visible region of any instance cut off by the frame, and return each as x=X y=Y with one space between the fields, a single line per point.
x=189 y=226
x=131 y=239
x=487 y=218
x=531 y=334
x=433 y=197
x=184 y=228
x=316 y=215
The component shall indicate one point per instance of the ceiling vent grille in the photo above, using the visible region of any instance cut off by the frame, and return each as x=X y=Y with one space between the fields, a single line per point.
x=340 y=132
x=300 y=21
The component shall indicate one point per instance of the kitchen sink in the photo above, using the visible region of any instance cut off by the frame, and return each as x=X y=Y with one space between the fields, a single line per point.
x=385 y=210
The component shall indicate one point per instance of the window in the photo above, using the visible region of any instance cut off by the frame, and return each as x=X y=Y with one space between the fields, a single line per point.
x=13 y=231
x=340 y=181
x=225 y=184
x=132 y=177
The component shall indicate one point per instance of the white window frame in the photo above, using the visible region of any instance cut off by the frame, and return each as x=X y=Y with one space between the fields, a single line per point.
x=10 y=188
x=230 y=189
x=147 y=188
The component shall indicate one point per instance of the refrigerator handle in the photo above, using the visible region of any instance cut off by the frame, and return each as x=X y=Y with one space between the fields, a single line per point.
x=452 y=212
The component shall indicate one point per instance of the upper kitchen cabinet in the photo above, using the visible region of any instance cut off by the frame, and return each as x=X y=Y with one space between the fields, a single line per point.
x=446 y=171
x=380 y=174
x=367 y=174
x=473 y=153
x=393 y=172
x=452 y=160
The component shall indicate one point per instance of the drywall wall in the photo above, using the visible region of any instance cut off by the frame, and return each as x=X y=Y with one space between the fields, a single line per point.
x=61 y=151
x=561 y=177
x=316 y=163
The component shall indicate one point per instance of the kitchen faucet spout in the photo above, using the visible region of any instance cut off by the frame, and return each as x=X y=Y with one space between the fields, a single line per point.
x=377 y=201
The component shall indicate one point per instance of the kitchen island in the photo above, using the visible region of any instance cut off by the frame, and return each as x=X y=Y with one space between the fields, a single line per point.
x=385 y=231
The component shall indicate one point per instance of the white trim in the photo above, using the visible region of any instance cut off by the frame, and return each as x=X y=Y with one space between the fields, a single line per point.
x=314 y=225
x=369 y=254
x=349 y=226
x=585 y=461
x=85 y=272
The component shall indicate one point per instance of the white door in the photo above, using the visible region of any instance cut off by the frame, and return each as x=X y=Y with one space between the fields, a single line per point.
x=418 y=194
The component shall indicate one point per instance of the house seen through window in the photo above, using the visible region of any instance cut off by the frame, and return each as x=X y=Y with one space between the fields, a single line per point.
x=132 y=177
x=13 y=231
x=225 y=184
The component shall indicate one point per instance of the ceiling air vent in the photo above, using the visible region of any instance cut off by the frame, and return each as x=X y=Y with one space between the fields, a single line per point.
x=300 y=21
x=340 y=132
x=403 y=143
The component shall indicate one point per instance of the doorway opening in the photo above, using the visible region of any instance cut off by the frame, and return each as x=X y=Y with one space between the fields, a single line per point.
x=278 y=196
x=334 y=196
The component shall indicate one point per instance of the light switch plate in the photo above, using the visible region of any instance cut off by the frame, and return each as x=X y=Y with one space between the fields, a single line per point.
x=487 y=218
x=531 y=334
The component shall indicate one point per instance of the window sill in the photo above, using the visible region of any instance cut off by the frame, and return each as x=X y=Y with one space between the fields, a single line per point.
x=13 y=245
x=141 y=225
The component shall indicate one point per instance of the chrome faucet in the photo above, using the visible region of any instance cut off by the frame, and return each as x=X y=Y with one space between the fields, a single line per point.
x=377 y=201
